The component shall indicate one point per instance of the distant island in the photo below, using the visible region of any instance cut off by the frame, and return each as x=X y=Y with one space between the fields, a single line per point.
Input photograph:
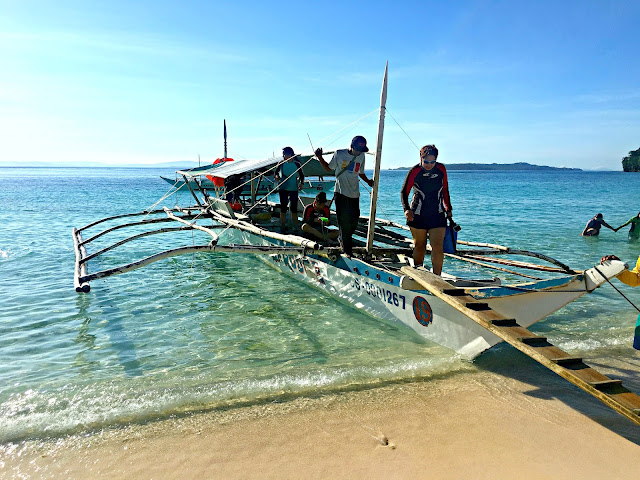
x=631 y=163
x=499 y=166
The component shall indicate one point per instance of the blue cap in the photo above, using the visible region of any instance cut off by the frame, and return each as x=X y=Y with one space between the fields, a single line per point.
x=359 y=143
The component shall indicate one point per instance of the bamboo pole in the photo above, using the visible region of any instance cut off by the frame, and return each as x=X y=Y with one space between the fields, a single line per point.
x=192 y=192
x=140 y=235
x=244 y=249
x=515 y=263
x=247 y=227
x=151 y=212
x=80 y=269
x=214 y=236
x=376 y=170
x=481 y=244
x=493 y=267
x=133 y=224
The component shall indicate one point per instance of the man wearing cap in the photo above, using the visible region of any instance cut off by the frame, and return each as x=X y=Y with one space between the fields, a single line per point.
x=348 y=166
x=316 y=218
x=289 y=173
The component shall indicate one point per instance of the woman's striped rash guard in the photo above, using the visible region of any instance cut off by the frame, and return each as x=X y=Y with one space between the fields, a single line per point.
x=430 y=190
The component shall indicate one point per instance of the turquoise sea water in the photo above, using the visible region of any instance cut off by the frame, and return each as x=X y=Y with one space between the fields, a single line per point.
x=201 y=331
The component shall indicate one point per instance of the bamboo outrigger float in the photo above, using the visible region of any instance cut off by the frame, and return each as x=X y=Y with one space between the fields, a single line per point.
x=467 y=315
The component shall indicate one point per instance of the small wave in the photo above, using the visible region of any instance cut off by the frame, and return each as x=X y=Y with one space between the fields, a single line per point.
x=46 y=414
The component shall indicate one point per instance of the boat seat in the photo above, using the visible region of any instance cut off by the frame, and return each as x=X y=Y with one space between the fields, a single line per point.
x=222 y=206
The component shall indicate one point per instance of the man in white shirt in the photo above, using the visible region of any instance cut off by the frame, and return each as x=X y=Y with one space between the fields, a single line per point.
x=348 y=166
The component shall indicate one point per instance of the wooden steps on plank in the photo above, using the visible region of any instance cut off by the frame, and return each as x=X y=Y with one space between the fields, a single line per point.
x=609 y=391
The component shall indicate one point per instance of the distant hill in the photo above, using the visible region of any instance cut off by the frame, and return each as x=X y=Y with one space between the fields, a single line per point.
x=499 y=166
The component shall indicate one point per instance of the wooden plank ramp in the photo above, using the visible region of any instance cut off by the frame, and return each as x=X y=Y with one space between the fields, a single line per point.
x=609 y=391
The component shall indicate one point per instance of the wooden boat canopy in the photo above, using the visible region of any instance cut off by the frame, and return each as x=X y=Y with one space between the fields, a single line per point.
x=310 y=167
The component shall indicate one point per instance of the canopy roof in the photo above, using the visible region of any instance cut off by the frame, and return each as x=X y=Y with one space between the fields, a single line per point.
x=226 y=169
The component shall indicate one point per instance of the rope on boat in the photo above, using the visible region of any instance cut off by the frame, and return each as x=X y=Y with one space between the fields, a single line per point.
x=346 y=127
x=298 y=154
x=410 y=139
x=266 y=172
x=166 y=195
x=616 y=289
x=493 y=267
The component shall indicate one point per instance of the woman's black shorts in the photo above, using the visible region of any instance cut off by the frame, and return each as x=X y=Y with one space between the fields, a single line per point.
x=428 y=221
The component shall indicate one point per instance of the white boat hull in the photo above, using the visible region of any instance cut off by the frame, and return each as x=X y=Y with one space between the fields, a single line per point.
x=426 y=314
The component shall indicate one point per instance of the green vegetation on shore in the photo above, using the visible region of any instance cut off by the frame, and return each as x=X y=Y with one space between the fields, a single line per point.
x=631 y=163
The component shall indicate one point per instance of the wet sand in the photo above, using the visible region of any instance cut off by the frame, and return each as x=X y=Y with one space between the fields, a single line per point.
x=470 y=425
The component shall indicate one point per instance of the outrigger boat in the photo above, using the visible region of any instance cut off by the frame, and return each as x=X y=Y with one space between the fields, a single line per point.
x=467 y=315
x=266 y=184
x=210 y=182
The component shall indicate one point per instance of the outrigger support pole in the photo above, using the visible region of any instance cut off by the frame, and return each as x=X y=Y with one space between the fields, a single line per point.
x=246 y=249
x=80 y=267
x=214 y=236
x=376 y=171
x=186 y=181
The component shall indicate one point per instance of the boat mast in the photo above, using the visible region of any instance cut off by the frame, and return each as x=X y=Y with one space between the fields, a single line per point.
x=225 y=138
x=376 y=171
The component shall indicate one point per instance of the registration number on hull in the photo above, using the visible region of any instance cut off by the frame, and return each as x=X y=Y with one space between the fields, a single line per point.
x=375 y=291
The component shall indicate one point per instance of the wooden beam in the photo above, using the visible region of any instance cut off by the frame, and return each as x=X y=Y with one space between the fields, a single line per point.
x=607 y=390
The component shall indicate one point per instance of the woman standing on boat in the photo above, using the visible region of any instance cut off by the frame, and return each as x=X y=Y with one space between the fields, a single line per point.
x=430 y=206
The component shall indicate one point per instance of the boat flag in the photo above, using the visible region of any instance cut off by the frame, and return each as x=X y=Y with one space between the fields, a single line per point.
x=636 y=336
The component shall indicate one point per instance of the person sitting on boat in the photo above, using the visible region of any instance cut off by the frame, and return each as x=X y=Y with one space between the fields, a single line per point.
x=430 y=206
x=634 y=231
x=592 y=229
x=233 y=185
x=289 y=173
x=628 y=277
x=348 y=165
x=316 y=219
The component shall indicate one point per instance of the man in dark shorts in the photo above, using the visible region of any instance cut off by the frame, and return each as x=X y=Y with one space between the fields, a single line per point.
x=316 y=219
x=348 y=165
x=289 y=174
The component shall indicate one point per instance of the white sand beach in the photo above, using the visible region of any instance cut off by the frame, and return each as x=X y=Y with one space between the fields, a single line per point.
x=470 y=425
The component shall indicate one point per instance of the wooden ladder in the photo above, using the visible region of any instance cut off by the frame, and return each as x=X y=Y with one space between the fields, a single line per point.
x=608 y=390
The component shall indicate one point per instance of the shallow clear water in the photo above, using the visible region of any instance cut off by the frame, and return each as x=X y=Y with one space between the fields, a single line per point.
x=193 y=332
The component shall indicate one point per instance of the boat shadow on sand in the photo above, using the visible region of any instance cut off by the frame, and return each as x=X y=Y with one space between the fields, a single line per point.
x=546 y=385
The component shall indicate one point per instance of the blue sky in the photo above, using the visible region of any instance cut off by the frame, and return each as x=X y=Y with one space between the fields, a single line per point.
x=549 y=83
